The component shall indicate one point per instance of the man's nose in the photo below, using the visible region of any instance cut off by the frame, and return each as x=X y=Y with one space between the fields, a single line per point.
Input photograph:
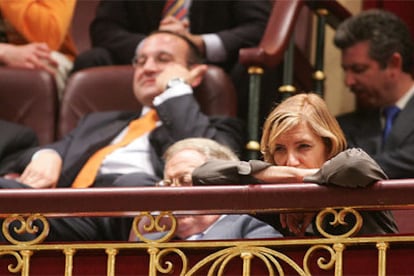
x=150 y=65
x=349 y=79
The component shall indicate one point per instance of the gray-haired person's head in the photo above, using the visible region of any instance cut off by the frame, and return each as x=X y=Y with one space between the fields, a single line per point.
x=207 y=147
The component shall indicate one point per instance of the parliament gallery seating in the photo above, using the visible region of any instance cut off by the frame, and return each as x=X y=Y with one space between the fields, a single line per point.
x=110 y=88
x=29 y=97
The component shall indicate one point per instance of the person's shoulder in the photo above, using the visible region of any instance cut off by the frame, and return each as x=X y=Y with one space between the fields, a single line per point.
x=102 y=115
x=15 y=137
x=13 y=127
x=241 y=218
x=356 y=116
x=13 y=133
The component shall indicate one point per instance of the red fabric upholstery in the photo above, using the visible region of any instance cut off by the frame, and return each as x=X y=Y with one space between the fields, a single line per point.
x=29 y=97
x=110 y=88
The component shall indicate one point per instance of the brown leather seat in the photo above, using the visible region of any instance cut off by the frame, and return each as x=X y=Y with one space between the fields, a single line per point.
x=110 y=88
x=29 y=97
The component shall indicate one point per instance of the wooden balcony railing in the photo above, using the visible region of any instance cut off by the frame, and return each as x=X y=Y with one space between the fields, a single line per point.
x=328 y=255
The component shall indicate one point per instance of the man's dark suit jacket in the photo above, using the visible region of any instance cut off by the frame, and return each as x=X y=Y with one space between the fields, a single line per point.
x=396 y=157
x=14 y=138
x=181 y=118
x=120 y=25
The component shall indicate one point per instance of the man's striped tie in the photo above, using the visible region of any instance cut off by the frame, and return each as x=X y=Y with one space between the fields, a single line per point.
x=175 y=8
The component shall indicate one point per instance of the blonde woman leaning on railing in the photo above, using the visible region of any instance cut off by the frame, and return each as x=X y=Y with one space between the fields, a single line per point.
x=299 y=136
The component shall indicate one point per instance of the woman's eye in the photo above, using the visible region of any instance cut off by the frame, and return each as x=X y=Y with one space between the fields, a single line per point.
x=279 y=148
x=305 y=146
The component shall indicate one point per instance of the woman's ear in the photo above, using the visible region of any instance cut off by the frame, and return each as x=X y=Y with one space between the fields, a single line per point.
x=196 y=74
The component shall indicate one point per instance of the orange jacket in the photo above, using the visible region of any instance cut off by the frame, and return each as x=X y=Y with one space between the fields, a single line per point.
x=41 y=21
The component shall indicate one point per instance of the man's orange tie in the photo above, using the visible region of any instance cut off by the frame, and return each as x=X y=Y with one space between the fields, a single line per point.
x=175 y=8
x=136 y=129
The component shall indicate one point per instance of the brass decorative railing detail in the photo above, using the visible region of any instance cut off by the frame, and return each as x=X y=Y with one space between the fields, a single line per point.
x=19 y=261
x=26 y=261
x=162 y=222
x=253 y=145
x=319 y=75
x=167 y=266
x=269 y=252
x=69 y=252
x=271 y=255
x=338 y=219
x=25 y=227
x=382 y=258
x=322 y=262
x=255 y=70
x=222 y=258
x=287 y=89
x=111 y=252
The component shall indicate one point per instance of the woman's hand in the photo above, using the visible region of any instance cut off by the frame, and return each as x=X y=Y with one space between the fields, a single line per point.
x=32 y=56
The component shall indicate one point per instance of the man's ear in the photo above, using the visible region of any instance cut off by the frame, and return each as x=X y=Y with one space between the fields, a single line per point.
x=395 y=61
x=197 y=73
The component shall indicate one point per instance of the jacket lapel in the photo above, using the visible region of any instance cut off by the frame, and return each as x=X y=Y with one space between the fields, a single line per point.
x=367 y=132
x=402 y=126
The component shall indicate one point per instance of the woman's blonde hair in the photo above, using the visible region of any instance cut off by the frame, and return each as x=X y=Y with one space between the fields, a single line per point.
x=307 y=108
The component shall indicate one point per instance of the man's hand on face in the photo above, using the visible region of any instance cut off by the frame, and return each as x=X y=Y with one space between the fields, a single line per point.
x=192 y=76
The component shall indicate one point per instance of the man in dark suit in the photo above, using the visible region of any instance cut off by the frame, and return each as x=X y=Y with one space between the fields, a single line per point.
x=166 y=70
x=180 y=161
x=218 y=28
x=377 y=58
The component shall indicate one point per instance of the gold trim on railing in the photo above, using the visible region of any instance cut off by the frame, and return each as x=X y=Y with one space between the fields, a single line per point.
x=69 y=253
x=382 y=258
x=319 y=75
x=25 y=226
x=19 y=260
x=322 y=12
x=323 y=263
x=26 y=261
x=255 y=70
x=111 y=252
x=287 y=89
x=327 y=251
x=162 y=222
x=338 y=219
x=253 y=145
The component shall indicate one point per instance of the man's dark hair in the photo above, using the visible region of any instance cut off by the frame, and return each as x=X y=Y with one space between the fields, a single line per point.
x=385 y=32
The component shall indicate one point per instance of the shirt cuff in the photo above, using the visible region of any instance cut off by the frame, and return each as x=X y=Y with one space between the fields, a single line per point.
x=37 y=153
x=215 y=51
x=173 y=92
